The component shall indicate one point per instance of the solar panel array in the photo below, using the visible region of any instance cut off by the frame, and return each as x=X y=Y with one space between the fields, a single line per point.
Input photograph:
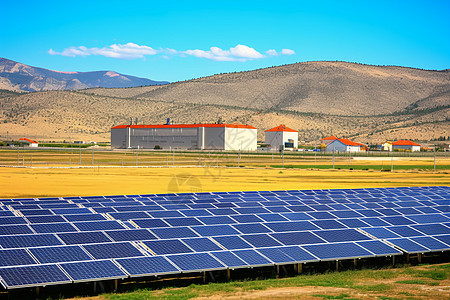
x=47 y=241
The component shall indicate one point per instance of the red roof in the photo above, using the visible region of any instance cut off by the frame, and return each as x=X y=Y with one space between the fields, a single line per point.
x=28 y=140
x=330 y=138
x=185 y=126
x=281 y=128
x=349 y=143
x=404 y=143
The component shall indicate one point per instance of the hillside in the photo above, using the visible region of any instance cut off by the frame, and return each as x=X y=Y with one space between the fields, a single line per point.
x=19 y=77
x=367 y=103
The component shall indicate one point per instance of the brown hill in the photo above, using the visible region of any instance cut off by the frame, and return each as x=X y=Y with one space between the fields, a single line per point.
x=368 y=103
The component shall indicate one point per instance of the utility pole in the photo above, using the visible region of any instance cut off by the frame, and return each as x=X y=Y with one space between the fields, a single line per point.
x=80 y=155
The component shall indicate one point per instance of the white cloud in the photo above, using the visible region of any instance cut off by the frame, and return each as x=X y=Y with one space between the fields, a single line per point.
x=134 y=51
x=287 y=52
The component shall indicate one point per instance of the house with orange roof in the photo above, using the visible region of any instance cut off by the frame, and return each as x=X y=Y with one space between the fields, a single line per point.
x=30 y=142
x=233 y=137
x=329 y=139
x=281 y=137
x=405 y=145
x=345 y=145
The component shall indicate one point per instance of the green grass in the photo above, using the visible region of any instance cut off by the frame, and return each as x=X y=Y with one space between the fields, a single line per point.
x=436 y=273
x=418 y=281
x=340 y=296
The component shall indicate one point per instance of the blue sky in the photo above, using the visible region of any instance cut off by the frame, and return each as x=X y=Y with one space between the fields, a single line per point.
x=179 y=40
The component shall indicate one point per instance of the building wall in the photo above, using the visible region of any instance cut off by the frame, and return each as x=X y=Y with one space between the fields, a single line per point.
x=243 y=139
x=290 y=136
x=278 y=138
x=406 y=147
x=119 y=138
x=214 y=138
x=166 y=138
x=339 y=146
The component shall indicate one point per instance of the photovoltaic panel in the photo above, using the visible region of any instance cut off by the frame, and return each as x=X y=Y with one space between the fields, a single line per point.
x=215 y=230
x=31 y=240
x=112 y=250
x=405 y=231
x=130 y=235
x=445 y=238
x=275 y=255
x=86 y=217
x=379 y=248
x=165 y=214
x=297 y=238
x=337 y=251
x=35 y=212
x=346 y=214
x=432 y=229
x=344 y=235
x=429 y=218
x=298 y=254
x=173 y=232
x=217 y=220
x=430 y=243
x=129 y=215
x=144 y=266
x=261 y=240
x=252 y=258
x=91 y=270
x=272 y=217
x=251 y=228
x=369 y=213
x=408 y=245
x=328 y=224
x=291 y=226
x=195 y=261
x=201 y=244
x=246 y=219
x=232 y=242
x=398 y=220
x=73 y=238
x=98 y=225
x=321 y=215
x=297 y=216
x=16 y=277
x=195 y=212
x=229 y=259
x=150 y=223
x=53 y=227
x=15 y=257
x=12 y=220
x=47 y=255
x=186 y=221
x=161 y=247
x=15 y=229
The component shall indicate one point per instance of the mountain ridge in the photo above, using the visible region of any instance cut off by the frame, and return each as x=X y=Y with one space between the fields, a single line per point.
x=21 y=77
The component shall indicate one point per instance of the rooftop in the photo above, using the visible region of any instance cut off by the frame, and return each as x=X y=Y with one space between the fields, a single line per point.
x=281 y=128
x=185 y=126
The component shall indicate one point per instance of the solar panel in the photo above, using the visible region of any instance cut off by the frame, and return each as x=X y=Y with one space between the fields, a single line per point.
x=275 y=255
x=15 y=257
x=91 y=270
x=53 y=227
x=405 y=231
x=161 y=247
x=232 y=242
x=145 y=266
x=129 y=215
x=31 y=240
x=337 y=251
x=408 y=245
x=150 y=223
x=297 y=238
x=74 y=238
x=130 y=235
x=252 y=258
x=272 y=217
x=186 y=221
x=173 y=232
x=86 y=217
x=12 y=220
x=291 y=226
x=260 y=240
x=17 y=277
x=379 y=248
x=429 y=218
x=15 y=229
x=398 y=220
x=432 y=229
x=246 y=219
x=215 y=230
x=298 y=254
x=98 y=225
x=195 y=212
x=196 y=261
x=47 y=255
x=251 y=228
x=112 y=250
x=445 y=238
x=430 y=243
x=343 y=235
x=201 y=244
x=328 y=224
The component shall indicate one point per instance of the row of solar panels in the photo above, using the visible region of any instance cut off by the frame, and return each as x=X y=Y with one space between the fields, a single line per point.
x=47 y=274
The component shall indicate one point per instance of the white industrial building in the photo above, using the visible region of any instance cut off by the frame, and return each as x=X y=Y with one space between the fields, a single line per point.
x=30 y=143
x=344 y=145
x=282 y=137
x=232 y=137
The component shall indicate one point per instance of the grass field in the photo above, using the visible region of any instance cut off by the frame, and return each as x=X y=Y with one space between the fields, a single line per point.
x=419 y=282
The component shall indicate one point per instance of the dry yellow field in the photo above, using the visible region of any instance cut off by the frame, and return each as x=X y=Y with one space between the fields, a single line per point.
x=39 y=182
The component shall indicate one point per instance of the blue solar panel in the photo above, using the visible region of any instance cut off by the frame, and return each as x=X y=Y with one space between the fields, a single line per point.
x=150 y=223
x=432 y=229
x=229 y=259
x=429 y=218
x=129 y=215
x=232 y=242
x=344 y=235
x=35 y=212
x=272 y=217
x=247 y=219
x=353 y=223
x=398 y=220
x=379 y=248
x=112 y=250
x=195 y=212
x=346 y=214
x=321 y=215
x=16 y=277
x=328 y=224
x=165 y=214
x=15 y=257
x=186 y=221
x=216 y=220
x=73 y=238
x=369 y=213
x=408 y=245
x=98 y=225
x=261 y=240
x=91 y=270
x=195 y=261
x=161 y=247
x=252 y=258
x=215 y=230
x=297 y=254
x=12 y=220
x=430 y=243
x=337 y=251
x=405 y=231
x=53 y=227
x=252 y=210
x=144 y=266
x=291 y=226
x=83 y=218
x=32 y=240
x=275 y=255
x=297 y=216
x=46 y=219
x=174 y=232
x=131 y=235
x=201 y=244
x=445 y=238
x=47 y=255
x=251 y=228
x=297 y=238
x=15 y=229
x=300 y=208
